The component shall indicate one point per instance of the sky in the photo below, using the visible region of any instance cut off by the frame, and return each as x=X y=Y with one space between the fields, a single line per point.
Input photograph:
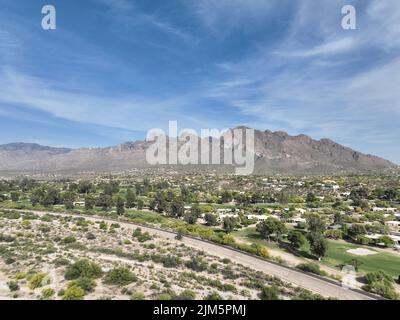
x=114 y=69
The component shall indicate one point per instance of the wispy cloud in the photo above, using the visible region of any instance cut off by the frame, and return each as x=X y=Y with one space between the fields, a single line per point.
x=333 y=47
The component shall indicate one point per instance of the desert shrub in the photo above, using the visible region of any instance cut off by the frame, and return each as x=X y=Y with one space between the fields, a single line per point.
x=103 y=225
x=74 y=293
x=213 y=296
x=90 y=236
x=303 y=294
x=164 y=296
x=26 y=224
x=9 y=260
x=20 y=275
x=170 y=261
x=83 y=268
x=221 y=286
x=13 y=285
x=269 y=293
x=381 y=283
x=186 y=295
x=138 y=296
x=196 y=264
x=120 y=276
x=312 y=268
x=61 y=262
x=47 y=293
x=38 y=280
x=85 y=283
x=6 y=238
x=68 y=240
x=141 y=236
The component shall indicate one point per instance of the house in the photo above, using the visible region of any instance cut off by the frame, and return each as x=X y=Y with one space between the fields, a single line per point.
x=256 y=217
x=79 y=204
x=394 y=226
x=228 y=215
x=223 y=210
x=378 y=209
x=298 y=219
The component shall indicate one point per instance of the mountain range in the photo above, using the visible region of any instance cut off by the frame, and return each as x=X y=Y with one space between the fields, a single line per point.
x=274 y=152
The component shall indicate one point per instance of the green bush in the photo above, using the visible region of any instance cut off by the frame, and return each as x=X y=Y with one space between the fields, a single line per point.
x=74 y=293
x=186 y=295
x=85 y=283
x=120 y=276
x=164 y=296
x=83 y=268
x=269 y=293
x=312 y=268
x=196 y=264
x=213 y=296
x=47 y=293
x=38 y=280
x=13 y=286
x=170 y=261
x=138 y=296
x=380 y=283
x=141 y=236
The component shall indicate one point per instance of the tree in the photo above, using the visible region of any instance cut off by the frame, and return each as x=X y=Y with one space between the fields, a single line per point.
x=357 y=230
x=338 y=218
x=120 y=206
x=229 y=224
x=69 y=205
x=15 y=196
x=316 y=224
x=211 y=219
x=297 y=239
x=271 y=228
x=226 y=196
x=387 y=241
x=85 y=187
x=311 y=197
x=130 y=198
x=104 y=201
x=177 y=208
x=283 y=197
x=192 y=216
x=318 y=245
x=140 y=204
x=89 y=202
x=111 y=188
x=355 y=263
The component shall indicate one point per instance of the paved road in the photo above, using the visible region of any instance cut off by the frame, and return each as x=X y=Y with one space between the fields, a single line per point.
x=296 y=277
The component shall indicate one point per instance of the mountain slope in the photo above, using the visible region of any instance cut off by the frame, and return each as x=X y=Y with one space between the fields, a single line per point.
x=275 y=152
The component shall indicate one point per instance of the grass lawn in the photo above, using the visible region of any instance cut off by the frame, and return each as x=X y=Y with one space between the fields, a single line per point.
x=337 y=254
x=251 y=235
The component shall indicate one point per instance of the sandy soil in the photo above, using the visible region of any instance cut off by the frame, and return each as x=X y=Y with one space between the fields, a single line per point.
x=322 y=287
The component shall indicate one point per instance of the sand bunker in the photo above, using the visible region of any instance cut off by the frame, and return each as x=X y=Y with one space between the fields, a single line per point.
x=361 y=252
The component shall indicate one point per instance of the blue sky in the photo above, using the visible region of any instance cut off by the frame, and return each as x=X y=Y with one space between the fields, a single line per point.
x=114 y=69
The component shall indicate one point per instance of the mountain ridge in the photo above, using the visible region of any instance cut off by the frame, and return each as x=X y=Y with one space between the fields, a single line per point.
x=274 y=152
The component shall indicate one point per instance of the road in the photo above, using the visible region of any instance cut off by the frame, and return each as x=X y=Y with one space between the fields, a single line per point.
x=318 y=285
